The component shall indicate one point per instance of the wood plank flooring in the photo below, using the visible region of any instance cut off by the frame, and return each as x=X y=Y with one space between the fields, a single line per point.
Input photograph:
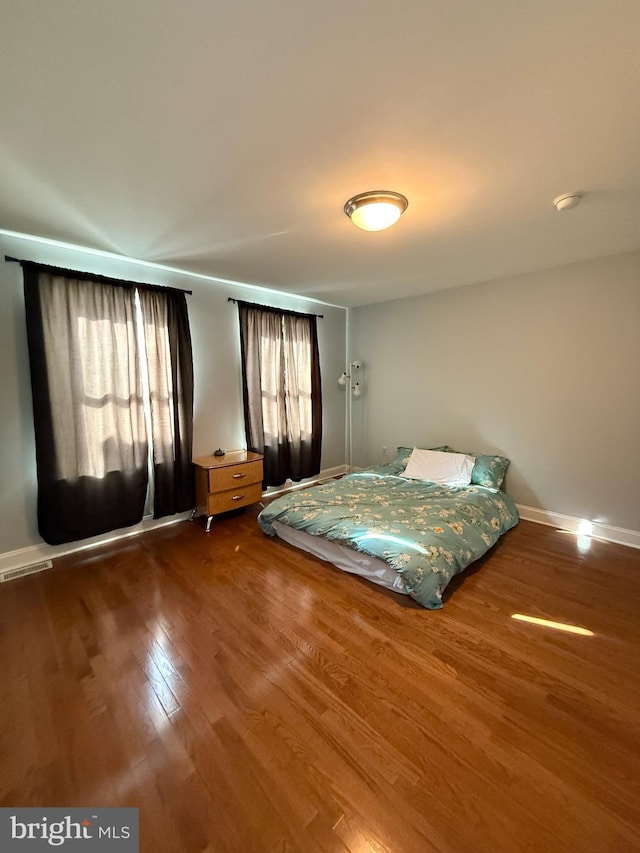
x=248 y=697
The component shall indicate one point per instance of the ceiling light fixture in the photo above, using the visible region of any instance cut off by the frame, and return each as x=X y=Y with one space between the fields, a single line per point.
x=375 y=210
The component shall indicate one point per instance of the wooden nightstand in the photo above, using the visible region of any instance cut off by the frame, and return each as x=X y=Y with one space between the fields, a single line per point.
x=227 y=482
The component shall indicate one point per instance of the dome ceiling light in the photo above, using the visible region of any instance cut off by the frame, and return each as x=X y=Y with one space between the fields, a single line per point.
x=375 y=210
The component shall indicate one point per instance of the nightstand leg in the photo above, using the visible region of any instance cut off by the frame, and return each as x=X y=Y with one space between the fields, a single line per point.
x=193 y=514
x=208 y=527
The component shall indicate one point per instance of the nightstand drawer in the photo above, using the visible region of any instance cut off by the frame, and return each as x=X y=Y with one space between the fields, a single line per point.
x=234 y=498
x=235 y=476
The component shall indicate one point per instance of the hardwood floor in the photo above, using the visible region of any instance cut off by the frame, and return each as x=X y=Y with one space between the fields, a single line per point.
x=247 y=697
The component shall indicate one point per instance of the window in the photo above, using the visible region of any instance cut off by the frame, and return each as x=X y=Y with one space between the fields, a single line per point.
x=282 y=391
x=112 y=387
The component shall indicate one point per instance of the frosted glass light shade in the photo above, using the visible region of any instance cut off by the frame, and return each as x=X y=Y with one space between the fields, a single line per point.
x=376 y=210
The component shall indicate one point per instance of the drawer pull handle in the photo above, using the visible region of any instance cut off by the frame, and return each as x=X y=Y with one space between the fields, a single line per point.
x=236 y=498
x=238 y=476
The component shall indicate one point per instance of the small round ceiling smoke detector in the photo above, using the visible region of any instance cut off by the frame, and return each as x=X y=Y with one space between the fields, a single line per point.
x=567 y=201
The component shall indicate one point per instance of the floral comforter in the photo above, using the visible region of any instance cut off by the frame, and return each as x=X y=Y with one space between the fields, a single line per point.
x=426 y=532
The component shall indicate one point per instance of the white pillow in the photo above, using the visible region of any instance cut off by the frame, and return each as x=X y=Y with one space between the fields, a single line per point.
x=451 y=469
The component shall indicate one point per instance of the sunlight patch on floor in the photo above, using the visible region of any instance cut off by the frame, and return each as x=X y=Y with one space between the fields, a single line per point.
x=558 y=626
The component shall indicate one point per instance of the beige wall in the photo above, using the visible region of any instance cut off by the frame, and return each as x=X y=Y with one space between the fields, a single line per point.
x=218 y=414
x=543 y=368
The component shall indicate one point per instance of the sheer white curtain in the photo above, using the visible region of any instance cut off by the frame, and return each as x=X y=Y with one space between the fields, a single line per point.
x=91 y=439
x=91 y=401
x=282 y=391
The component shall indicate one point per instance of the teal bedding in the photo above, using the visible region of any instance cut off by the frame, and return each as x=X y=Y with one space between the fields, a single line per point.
x=426 y=532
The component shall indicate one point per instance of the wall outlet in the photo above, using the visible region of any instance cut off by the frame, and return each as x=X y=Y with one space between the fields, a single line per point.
x=384 y=451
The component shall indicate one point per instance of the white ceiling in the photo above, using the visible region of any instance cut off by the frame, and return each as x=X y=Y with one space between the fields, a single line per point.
x=224 y=136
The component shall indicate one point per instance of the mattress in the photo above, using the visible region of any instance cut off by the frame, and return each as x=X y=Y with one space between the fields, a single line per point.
x=354 y=562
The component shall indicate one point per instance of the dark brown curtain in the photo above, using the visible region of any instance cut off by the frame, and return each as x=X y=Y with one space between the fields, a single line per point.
x=90 y=381
x=170 y=372
x=281 y=390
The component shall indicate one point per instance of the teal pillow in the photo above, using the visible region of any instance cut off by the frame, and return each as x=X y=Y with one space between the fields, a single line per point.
x=489 y=471
x=399 y=462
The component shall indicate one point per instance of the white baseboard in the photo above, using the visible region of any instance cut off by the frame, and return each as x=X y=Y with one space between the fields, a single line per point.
x=619 y=535
x=38 y=553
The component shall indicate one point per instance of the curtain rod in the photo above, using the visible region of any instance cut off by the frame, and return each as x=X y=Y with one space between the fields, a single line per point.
x=271 y=308
x=12 y=260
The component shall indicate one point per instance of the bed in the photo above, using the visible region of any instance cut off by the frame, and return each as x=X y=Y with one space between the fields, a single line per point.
x=409 y=534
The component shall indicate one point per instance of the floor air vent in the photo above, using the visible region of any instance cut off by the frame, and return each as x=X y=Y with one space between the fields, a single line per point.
x=12 y=574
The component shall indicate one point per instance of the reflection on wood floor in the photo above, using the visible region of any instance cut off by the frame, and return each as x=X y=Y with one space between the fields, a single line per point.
x=248 y=697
